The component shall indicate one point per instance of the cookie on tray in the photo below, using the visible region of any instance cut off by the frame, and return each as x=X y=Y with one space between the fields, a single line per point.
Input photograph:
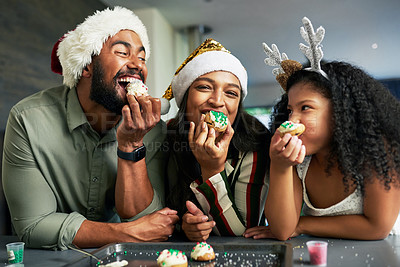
x=202 y=252
x=172 y=258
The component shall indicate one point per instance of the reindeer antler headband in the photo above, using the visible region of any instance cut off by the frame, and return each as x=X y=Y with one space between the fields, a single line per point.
x=313 y=52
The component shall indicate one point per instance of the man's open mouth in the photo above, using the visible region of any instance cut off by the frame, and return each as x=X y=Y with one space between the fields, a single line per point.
x=124 y=81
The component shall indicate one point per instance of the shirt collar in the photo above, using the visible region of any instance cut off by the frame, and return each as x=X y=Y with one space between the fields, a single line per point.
x=77 y=118
x=75 y=115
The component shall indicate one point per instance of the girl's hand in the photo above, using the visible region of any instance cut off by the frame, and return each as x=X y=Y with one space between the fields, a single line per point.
x=210 y=151
x=286 y=151
x=258 y=232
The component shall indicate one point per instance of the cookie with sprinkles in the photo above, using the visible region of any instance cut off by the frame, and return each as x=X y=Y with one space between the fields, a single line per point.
x=136 y=87
x=202 y=252
x=172 y=258
x=216 y=120
x=295 y=129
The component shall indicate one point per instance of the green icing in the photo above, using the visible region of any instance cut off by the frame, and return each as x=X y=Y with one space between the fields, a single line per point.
x=287 y=124
x=219 y=117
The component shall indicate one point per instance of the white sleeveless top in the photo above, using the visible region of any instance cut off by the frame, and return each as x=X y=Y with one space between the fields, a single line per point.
x=351 y=205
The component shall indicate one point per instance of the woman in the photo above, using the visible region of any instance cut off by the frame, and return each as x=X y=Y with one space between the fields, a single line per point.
x=217 y=181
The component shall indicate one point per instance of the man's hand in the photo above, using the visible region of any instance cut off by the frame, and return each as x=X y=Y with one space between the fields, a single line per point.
x=155 y=227
x=195 y=224
x=140 y=116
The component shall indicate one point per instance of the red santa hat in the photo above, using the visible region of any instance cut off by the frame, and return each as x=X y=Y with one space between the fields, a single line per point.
x=74 y=51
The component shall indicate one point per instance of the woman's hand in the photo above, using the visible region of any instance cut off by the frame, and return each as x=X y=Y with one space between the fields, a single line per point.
x=286 y=151
x=209 y=150
x=195 y=224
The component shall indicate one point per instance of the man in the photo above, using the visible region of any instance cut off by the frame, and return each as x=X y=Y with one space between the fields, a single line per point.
x=60 y=150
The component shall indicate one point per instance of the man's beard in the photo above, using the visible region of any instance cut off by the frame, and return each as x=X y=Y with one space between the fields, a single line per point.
x=104 y=93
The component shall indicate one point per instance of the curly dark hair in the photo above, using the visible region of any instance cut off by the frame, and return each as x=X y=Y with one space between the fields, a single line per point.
x=249 y=135
x=366 y=119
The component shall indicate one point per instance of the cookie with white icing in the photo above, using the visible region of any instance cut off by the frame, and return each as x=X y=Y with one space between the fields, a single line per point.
x=136 y=87
x=216 y=120
x=202 y=252
x=172 y=258
x=295 y=129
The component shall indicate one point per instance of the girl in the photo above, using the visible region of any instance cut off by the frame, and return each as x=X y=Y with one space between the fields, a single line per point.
x=217 y=181
x=343 y=172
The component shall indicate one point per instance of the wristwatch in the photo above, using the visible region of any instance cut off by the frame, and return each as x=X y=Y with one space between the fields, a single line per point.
x=136 y=155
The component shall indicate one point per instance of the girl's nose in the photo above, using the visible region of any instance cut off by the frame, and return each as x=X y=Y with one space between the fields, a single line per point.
x=294 y=118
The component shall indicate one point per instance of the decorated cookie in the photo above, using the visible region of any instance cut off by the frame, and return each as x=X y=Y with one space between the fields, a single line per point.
x=136 y=87
x=172 y=258
x=216 y=120
x=291 y=128
x=202 y=252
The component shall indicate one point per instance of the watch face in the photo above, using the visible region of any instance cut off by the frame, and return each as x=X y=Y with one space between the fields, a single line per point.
x=140 y=153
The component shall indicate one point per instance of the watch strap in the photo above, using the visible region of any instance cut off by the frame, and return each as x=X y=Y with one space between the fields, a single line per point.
x=136 y=155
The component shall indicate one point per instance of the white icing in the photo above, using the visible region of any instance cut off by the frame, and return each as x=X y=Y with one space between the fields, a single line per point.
x=292 y=126
x=136 y=87
x=115 y=264
x=200 y=250
x=217 y=124
x=169 y=258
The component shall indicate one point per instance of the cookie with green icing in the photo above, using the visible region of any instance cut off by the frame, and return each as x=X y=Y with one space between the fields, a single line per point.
x=295 y=129
x=172 y=258
x=216 y=120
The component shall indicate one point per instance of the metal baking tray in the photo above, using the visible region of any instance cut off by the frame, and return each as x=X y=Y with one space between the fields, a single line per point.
x=227 y=254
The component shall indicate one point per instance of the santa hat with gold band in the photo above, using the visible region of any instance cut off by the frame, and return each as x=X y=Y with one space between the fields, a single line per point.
x=208 y=57
x=74 y=51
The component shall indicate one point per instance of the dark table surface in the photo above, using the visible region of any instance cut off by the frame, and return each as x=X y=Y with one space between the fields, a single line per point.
x=340 y=252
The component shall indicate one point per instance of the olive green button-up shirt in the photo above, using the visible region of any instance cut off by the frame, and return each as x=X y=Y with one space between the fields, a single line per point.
x=57 y=171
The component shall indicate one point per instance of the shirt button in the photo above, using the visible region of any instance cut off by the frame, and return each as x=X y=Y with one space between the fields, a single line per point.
x=91 y=209
x=95 y=179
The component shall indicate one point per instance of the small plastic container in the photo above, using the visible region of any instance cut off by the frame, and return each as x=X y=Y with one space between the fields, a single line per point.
x=15 y=252
x=318 y=251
